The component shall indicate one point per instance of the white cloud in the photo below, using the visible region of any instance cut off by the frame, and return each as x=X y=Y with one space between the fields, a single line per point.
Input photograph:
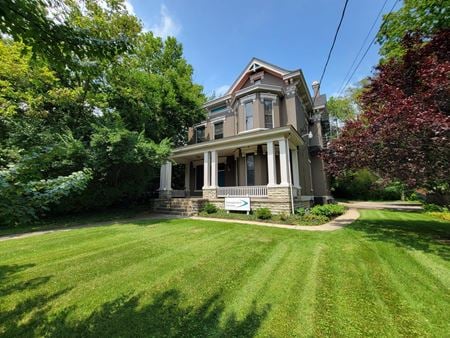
x=129 y=7
x=167 y=25
x=220 y=91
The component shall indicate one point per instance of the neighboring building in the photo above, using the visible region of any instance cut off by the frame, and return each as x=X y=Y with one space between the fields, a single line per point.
x=261 y=139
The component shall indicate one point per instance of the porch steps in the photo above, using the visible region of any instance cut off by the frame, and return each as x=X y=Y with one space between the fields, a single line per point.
x=178 y=206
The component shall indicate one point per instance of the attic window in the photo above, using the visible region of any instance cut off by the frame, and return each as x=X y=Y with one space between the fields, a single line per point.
x=220 y=109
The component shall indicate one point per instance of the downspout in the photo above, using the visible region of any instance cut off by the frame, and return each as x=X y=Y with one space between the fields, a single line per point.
x=290 y=175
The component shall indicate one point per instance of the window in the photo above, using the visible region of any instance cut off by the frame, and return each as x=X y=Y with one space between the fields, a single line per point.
x=200 y=134
x=199 y=177
x=218 y=130
x=250 y=158
x=248 y=109
x=268 y=113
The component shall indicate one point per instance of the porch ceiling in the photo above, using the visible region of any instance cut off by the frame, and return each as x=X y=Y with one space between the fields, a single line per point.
x=238 y=141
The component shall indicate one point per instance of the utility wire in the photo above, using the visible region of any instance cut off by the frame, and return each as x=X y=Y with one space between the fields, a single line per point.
x=370 y=45
x=331 y=50
x=362 y=46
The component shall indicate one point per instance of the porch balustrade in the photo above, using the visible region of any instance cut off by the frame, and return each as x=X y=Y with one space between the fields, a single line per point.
x=243 y=191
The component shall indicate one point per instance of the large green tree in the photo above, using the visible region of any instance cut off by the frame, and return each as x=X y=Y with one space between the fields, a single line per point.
x=424 y=16
x=94 y=132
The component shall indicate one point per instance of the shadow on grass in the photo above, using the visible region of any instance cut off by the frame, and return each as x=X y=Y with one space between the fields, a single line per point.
x=164 y=317
x=126 y=316
x=412 y=232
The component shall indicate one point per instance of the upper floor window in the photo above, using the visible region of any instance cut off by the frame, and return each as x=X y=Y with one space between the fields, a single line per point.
x=218 y=130
x=200 y=134
x=268 y=113
x=248 y=109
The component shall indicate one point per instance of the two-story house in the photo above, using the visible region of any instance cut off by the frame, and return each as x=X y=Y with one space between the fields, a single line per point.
x=260 y=140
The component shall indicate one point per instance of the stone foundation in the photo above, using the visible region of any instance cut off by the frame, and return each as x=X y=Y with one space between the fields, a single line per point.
x=179 y=206
x=209 y=193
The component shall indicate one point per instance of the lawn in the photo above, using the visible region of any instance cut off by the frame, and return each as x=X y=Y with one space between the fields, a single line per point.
x=388 y=274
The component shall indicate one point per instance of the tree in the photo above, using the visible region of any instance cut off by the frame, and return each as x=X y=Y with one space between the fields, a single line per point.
x=403 y=132
x=341 y=108
x=43 y=25
x=425 y=16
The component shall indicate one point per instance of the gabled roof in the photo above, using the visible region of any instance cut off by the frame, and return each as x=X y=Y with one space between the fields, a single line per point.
x=252 y=67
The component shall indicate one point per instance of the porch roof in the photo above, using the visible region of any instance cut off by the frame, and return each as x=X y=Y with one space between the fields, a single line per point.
x=243 y=139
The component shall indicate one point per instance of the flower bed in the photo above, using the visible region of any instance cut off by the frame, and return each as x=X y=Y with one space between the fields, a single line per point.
x=317 y=215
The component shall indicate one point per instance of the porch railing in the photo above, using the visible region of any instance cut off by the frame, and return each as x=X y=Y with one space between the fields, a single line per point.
x=252 y=191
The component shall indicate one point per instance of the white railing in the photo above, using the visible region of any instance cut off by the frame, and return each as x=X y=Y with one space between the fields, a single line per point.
x=251 y=191
x=178 y=193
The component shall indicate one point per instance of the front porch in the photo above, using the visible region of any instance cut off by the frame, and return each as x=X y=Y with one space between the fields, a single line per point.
x=263 y=165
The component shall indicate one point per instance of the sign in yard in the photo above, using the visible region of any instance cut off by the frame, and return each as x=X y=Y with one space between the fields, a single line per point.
x=237 y=203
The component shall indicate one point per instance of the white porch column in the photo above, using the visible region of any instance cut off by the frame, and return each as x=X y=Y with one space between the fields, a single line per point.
x=214 y=169
x=187 y=175
x=206 y=169
x=271 y=165
x=295 y=171
x=284 y=165
x=162 y=177
x=168 y=175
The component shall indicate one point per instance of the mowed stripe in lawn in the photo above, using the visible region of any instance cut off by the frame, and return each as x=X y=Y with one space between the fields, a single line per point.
x=273 y=282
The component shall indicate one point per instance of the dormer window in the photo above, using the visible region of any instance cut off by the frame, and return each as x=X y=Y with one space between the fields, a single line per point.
x=268 y=113
x=200 y=134
x=248 y=109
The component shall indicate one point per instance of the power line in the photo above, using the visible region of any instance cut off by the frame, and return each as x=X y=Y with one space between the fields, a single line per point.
x=362 y=45
x=331 y=49
x=369 y=46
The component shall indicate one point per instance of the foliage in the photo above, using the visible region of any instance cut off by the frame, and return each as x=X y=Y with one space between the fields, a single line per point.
x=86 y=108
x=363 y=184
x=430 y=207
x=263 y=213
x=301 y=211
x=424 y=16
x=23 y=200
x=312 y=219
x=341 y=108
x=44 y=25
x=403 y=133
x=327 y=210
x=209 y=208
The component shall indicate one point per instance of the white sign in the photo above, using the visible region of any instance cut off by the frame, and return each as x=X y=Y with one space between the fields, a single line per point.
x=237 y=203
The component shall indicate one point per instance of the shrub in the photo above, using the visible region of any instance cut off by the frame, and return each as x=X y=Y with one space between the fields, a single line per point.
x=432 y=207
x=328 y=210
x=301 y=211
x=283 y=216
x=312 y=219
x=209 y=208
x=263 y=213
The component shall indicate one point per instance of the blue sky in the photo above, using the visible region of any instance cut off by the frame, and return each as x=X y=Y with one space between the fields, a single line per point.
x=220 y=37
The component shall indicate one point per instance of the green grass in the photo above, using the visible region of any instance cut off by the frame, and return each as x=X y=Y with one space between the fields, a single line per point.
x=388 y=274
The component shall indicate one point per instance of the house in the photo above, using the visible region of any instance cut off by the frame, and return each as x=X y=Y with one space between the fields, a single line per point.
x=260 y=140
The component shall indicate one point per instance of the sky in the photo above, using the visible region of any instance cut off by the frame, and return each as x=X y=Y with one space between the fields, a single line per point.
x=220 y=37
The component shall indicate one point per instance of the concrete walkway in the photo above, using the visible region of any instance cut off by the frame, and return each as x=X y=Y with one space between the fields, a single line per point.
x=338 y=223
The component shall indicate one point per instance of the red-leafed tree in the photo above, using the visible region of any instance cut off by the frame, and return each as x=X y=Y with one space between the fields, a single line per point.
x=403 y=132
